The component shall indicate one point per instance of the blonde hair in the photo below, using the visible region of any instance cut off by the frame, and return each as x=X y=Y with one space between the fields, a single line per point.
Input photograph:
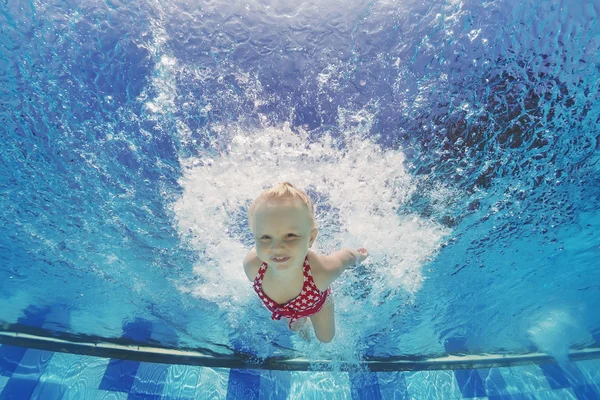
x=283 y=191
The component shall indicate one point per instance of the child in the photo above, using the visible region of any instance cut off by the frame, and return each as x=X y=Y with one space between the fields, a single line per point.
x=292 y=281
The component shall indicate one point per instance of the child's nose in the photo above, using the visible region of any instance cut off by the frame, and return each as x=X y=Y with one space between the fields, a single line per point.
x=276 y=244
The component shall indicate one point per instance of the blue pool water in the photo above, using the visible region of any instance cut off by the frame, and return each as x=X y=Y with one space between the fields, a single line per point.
x=459 y=141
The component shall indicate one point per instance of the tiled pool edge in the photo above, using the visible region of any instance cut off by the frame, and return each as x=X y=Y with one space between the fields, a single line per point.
x=187 y=357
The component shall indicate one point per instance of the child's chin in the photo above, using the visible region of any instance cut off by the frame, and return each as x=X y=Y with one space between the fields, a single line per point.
x=283 y=265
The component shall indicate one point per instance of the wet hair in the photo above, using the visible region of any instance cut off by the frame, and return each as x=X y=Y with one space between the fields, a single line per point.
x=282 y=191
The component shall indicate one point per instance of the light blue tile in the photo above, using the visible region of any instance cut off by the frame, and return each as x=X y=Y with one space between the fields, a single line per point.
x=3 y=382
x=150 y=379
x=194 y=382
x=81 y=375
x=393 y=385
x=524 y=379
x=275 y=385
x=590 y=370
x=319 y=385
x=181 y=382
x=212 y=383
x=108 y=395
x=559 y=394
x=432 y=385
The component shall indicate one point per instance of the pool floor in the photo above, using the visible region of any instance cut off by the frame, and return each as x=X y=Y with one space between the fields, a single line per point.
x=40 y=374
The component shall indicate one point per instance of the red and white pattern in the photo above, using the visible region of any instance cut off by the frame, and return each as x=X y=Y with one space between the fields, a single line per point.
x=307 y=303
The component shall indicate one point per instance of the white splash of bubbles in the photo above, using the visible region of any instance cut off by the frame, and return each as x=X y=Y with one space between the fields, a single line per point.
x=556 y=330
x=356 y=185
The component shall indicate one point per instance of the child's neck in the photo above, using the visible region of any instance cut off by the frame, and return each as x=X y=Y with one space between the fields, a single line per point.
x=291 y=273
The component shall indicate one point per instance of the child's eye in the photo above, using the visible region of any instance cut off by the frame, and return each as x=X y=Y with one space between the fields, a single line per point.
x=265 y=237
x=291 y=235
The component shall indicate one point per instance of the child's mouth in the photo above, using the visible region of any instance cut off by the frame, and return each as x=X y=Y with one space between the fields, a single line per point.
x=280 y=260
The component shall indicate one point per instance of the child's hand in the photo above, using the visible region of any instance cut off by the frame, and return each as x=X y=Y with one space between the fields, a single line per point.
x=362 y=255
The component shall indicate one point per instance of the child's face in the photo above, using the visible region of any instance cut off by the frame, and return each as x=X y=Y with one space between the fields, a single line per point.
x=283 y=231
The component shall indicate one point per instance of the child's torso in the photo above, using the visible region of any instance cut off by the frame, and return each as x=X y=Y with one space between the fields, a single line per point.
x=282 y=293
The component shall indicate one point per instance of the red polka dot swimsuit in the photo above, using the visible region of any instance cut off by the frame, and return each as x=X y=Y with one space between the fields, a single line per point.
x=307 y=303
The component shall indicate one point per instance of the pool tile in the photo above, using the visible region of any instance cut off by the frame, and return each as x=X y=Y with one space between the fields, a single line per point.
x=149 y=379
x=187 y=382
x=561 y=376
x=10 y=357
x=144 y=396
x=364 y=385
x=525 y=379
x=492 y=380
x=319 y=385
x=514 y=396
x=559 y=394
x=80 y=374
x=49 y=391
x=243 y=384
x=432 y=384
x=181 y=382
x=18 y=388
x=590 y=369
x=275 y=385
x=469 y=383
x=586 y=392
x=53 y=382
x=109 y=395
x=27 y=374
x=3 y=382
x=119 y=375
x=392 y=385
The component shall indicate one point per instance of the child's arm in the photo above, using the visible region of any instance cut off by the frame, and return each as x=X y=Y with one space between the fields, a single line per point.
x=337 y=262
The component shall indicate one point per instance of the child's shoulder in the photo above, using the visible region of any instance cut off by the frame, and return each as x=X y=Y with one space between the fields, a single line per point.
x=252 y=264
x=316 y=261
x=319 y=268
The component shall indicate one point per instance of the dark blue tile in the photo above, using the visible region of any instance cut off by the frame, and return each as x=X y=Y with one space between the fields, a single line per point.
x=119 y=375
x=493 y=381
x=364 y=385
x=469 y=383
x=10 y=357
x=556 y=376
x=586 y=392
x=243 y=384
x=18 y=388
